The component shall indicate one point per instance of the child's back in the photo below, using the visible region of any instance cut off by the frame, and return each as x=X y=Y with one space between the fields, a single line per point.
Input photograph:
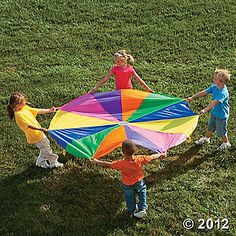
x=131 y=170
x=132 y=179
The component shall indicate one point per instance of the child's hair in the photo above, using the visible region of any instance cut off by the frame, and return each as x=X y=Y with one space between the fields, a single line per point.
x=124 y=54
x=15 y=99
x=128 y=147
x=222 y=75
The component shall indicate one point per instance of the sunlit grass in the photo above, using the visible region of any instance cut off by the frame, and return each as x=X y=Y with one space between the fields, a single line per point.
x=54 y=51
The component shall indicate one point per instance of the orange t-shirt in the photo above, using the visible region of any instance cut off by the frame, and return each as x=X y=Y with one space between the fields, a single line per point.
x=131 y=171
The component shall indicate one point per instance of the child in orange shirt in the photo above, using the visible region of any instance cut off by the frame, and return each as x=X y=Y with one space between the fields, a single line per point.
x=25 y=117
x=132 y=177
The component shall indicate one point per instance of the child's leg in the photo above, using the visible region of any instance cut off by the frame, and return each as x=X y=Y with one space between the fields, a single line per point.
x=211 y=126
x=225 y=139
x=52 y=158
x=48 y=155
x=141 y=189
x=208 y=133
x=41 y=160
x=221 y=129
x=129 y=198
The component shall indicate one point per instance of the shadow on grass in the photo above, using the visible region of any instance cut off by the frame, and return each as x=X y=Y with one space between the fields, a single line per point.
x=74 y=200
x=184 y=162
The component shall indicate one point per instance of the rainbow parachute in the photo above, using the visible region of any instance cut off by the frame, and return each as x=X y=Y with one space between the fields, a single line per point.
x=95 y=124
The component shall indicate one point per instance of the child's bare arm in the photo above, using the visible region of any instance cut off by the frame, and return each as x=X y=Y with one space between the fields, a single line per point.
x=36 y=128
x=200 y=94
x=209 y=107
x=107 y=76
x=45 y=111
x=159 y=156
x=105 y=164
x=142 y=83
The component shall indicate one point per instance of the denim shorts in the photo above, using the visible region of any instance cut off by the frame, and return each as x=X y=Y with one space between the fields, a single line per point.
x=218 y=125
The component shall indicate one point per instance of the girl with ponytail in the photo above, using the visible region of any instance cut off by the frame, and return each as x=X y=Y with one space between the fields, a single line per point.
x=122 y=72
x=25 y=117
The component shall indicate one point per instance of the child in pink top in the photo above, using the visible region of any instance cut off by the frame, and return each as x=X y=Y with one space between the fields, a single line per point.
x=122 y=72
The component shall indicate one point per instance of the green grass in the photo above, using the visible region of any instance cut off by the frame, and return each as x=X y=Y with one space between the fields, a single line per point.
x=54 y=51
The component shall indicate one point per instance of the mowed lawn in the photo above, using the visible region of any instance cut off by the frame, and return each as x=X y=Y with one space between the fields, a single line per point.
x=55 y=51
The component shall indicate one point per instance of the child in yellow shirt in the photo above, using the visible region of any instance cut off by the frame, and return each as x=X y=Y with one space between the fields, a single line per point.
x=25 y=117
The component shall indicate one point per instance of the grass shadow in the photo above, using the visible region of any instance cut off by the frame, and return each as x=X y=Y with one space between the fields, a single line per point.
x=74 y=200
x=178 y=165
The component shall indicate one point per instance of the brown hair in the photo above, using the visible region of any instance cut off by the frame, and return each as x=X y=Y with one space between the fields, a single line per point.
x=15 y=99
x=222 y=75
x=128 y=147
x=124 y=54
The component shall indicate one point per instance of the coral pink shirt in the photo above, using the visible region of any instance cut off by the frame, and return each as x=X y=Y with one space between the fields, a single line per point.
x=123 y=76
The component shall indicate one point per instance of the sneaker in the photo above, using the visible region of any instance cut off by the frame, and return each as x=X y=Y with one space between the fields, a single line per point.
x=42 y=163
x=136 y=210
x=140 y=214
x=224 y=146
x=202 y=140
x=53 y=161
x=56 y=164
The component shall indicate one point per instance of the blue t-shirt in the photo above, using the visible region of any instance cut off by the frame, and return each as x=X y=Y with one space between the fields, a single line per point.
x=221 y=110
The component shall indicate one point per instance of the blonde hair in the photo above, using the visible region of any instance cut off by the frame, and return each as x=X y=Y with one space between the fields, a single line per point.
x=15 y=99
x=222 y=75
x=125 y=55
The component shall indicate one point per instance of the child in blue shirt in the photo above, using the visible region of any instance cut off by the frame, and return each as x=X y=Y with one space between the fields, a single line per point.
x=219 y=108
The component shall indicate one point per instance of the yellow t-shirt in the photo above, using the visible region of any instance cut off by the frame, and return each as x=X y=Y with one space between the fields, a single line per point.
x=25 y=117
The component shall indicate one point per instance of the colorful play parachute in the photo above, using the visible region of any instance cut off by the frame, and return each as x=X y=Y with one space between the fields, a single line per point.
x=95 y=124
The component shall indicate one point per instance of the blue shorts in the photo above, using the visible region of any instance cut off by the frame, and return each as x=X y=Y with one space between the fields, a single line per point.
x=218 y=125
